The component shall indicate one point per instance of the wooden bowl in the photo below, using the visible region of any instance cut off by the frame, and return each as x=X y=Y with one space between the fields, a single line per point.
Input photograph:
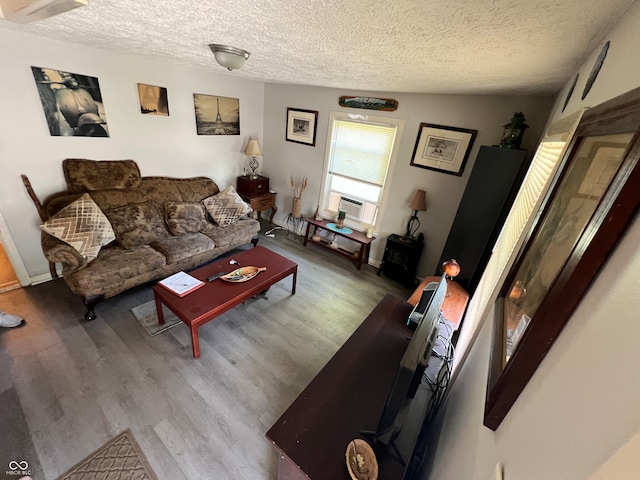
x=242 y=274
x=361 y=461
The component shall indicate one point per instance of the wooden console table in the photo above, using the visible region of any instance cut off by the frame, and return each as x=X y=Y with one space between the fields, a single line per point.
x=348 y=395
x=358 y=237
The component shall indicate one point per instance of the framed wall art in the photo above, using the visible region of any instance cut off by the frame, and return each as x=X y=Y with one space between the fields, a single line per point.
x=153 y=100
x=384 y=104
x=443 y=149
x=595 y=70
x=217 y=115
x=72 y=103
x=301 y=126
x=593 y=200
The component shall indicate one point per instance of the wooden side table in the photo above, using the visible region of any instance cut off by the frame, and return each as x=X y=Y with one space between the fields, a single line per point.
x=355 y=236
x=261 y=203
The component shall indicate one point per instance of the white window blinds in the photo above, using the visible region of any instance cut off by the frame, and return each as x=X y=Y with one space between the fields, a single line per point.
x=361 y=151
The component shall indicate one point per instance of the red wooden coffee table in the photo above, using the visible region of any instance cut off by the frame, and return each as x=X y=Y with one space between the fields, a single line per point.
x=217 y=297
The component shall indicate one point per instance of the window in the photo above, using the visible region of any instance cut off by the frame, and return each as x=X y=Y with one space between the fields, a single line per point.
x=361 y=151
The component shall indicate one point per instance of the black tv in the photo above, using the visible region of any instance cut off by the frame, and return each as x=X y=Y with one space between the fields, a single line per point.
x=411 y=368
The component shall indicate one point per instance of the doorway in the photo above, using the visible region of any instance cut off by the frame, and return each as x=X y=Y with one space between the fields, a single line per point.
x=8 y=278
x=12 y=271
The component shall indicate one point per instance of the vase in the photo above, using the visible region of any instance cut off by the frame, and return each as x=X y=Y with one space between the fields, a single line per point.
x=297 y=207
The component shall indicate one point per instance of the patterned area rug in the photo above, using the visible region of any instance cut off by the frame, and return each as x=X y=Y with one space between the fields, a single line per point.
x=146 y=315
x=119 y=459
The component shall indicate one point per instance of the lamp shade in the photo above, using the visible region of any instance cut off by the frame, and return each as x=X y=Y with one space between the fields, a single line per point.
x=419 y=201
x=253 y=148
x=230 y=58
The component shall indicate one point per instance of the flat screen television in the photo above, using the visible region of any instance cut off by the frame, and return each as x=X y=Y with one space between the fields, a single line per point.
x=412 y=366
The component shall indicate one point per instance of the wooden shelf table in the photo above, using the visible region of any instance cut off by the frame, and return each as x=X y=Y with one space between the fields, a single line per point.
x=355 y=236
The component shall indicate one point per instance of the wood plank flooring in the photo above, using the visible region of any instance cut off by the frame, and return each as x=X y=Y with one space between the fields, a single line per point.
x=80 y=383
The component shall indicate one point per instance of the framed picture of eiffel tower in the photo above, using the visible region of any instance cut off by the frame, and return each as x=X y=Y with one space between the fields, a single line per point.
x=216 y=115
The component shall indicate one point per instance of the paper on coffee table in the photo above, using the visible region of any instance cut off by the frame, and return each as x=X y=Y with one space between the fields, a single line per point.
x=181 y=283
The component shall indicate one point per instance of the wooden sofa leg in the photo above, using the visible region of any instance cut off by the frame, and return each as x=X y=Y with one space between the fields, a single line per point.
x=91 y=303
x=254 y=240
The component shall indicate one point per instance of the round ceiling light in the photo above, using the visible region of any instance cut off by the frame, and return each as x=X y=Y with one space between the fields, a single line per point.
x=229 y=57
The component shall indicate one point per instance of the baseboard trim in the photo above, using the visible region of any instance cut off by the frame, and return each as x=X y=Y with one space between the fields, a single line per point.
x=42 y=278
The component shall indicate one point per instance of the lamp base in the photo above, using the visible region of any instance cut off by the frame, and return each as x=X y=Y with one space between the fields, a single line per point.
x=253 y=164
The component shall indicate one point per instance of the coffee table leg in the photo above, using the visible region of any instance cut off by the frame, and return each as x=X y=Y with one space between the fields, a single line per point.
x=159 y=311
x=195 y=343
x=295 y=278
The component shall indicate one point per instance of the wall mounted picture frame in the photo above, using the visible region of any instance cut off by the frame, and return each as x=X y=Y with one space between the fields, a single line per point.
x=591 y=203
x=72 y=103
x=596 y=69
x=216 y=115
x=153 y=100
x=369 y=103
x=301 y=126
x=442 y=148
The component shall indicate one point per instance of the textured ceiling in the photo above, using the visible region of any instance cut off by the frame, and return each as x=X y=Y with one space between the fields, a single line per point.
x=430 y=46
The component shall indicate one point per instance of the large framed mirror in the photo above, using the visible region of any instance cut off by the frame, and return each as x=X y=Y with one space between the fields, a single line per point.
x=594 y=196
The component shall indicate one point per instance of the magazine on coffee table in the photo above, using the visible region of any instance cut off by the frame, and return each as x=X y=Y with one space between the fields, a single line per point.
x=181 y=283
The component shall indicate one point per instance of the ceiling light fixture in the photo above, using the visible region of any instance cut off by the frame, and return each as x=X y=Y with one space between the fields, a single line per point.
x=230 y=58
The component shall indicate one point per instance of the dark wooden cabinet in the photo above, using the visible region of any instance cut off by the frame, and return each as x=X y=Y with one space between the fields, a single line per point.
x=252 y=187
x=487 y=199
x=401 y=259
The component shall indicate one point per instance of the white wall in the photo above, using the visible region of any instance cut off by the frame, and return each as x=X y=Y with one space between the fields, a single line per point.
x=486 y=114
x=582 y=403
x=161 y=145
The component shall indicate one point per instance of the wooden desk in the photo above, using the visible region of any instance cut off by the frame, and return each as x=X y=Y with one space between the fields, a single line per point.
x=358 y=237
x=348 y=395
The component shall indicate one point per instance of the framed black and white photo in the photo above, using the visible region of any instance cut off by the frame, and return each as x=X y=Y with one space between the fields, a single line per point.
x=441 y=148
x=72 y=103
x=301 y=126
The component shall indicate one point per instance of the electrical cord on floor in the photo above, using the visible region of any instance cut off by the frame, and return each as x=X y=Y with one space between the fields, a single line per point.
x=270 y=234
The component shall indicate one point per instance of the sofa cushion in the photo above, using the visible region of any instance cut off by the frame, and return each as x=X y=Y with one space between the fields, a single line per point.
x=115 y=265
x=232 y=234
x=185 y=217
x=82 y=225
x=86 y=175
x=138 y=224
x=179 y=247
x=226 y=207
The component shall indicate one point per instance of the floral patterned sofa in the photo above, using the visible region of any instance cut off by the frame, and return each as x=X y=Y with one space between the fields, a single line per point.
x=113 y=229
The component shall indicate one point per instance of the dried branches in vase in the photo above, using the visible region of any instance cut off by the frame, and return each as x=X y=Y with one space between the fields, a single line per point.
x=298 y=190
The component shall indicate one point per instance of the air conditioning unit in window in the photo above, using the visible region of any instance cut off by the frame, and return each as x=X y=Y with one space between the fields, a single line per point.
x=357 y=209
x=354 y=208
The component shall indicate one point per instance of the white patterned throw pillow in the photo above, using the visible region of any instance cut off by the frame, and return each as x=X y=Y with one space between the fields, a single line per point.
x=226 y=207
x=82 y=225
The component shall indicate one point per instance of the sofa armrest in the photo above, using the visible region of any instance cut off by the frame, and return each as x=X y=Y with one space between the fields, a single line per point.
x=57 y=251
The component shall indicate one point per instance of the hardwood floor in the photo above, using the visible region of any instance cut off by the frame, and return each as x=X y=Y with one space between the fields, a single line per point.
x=79 y=383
